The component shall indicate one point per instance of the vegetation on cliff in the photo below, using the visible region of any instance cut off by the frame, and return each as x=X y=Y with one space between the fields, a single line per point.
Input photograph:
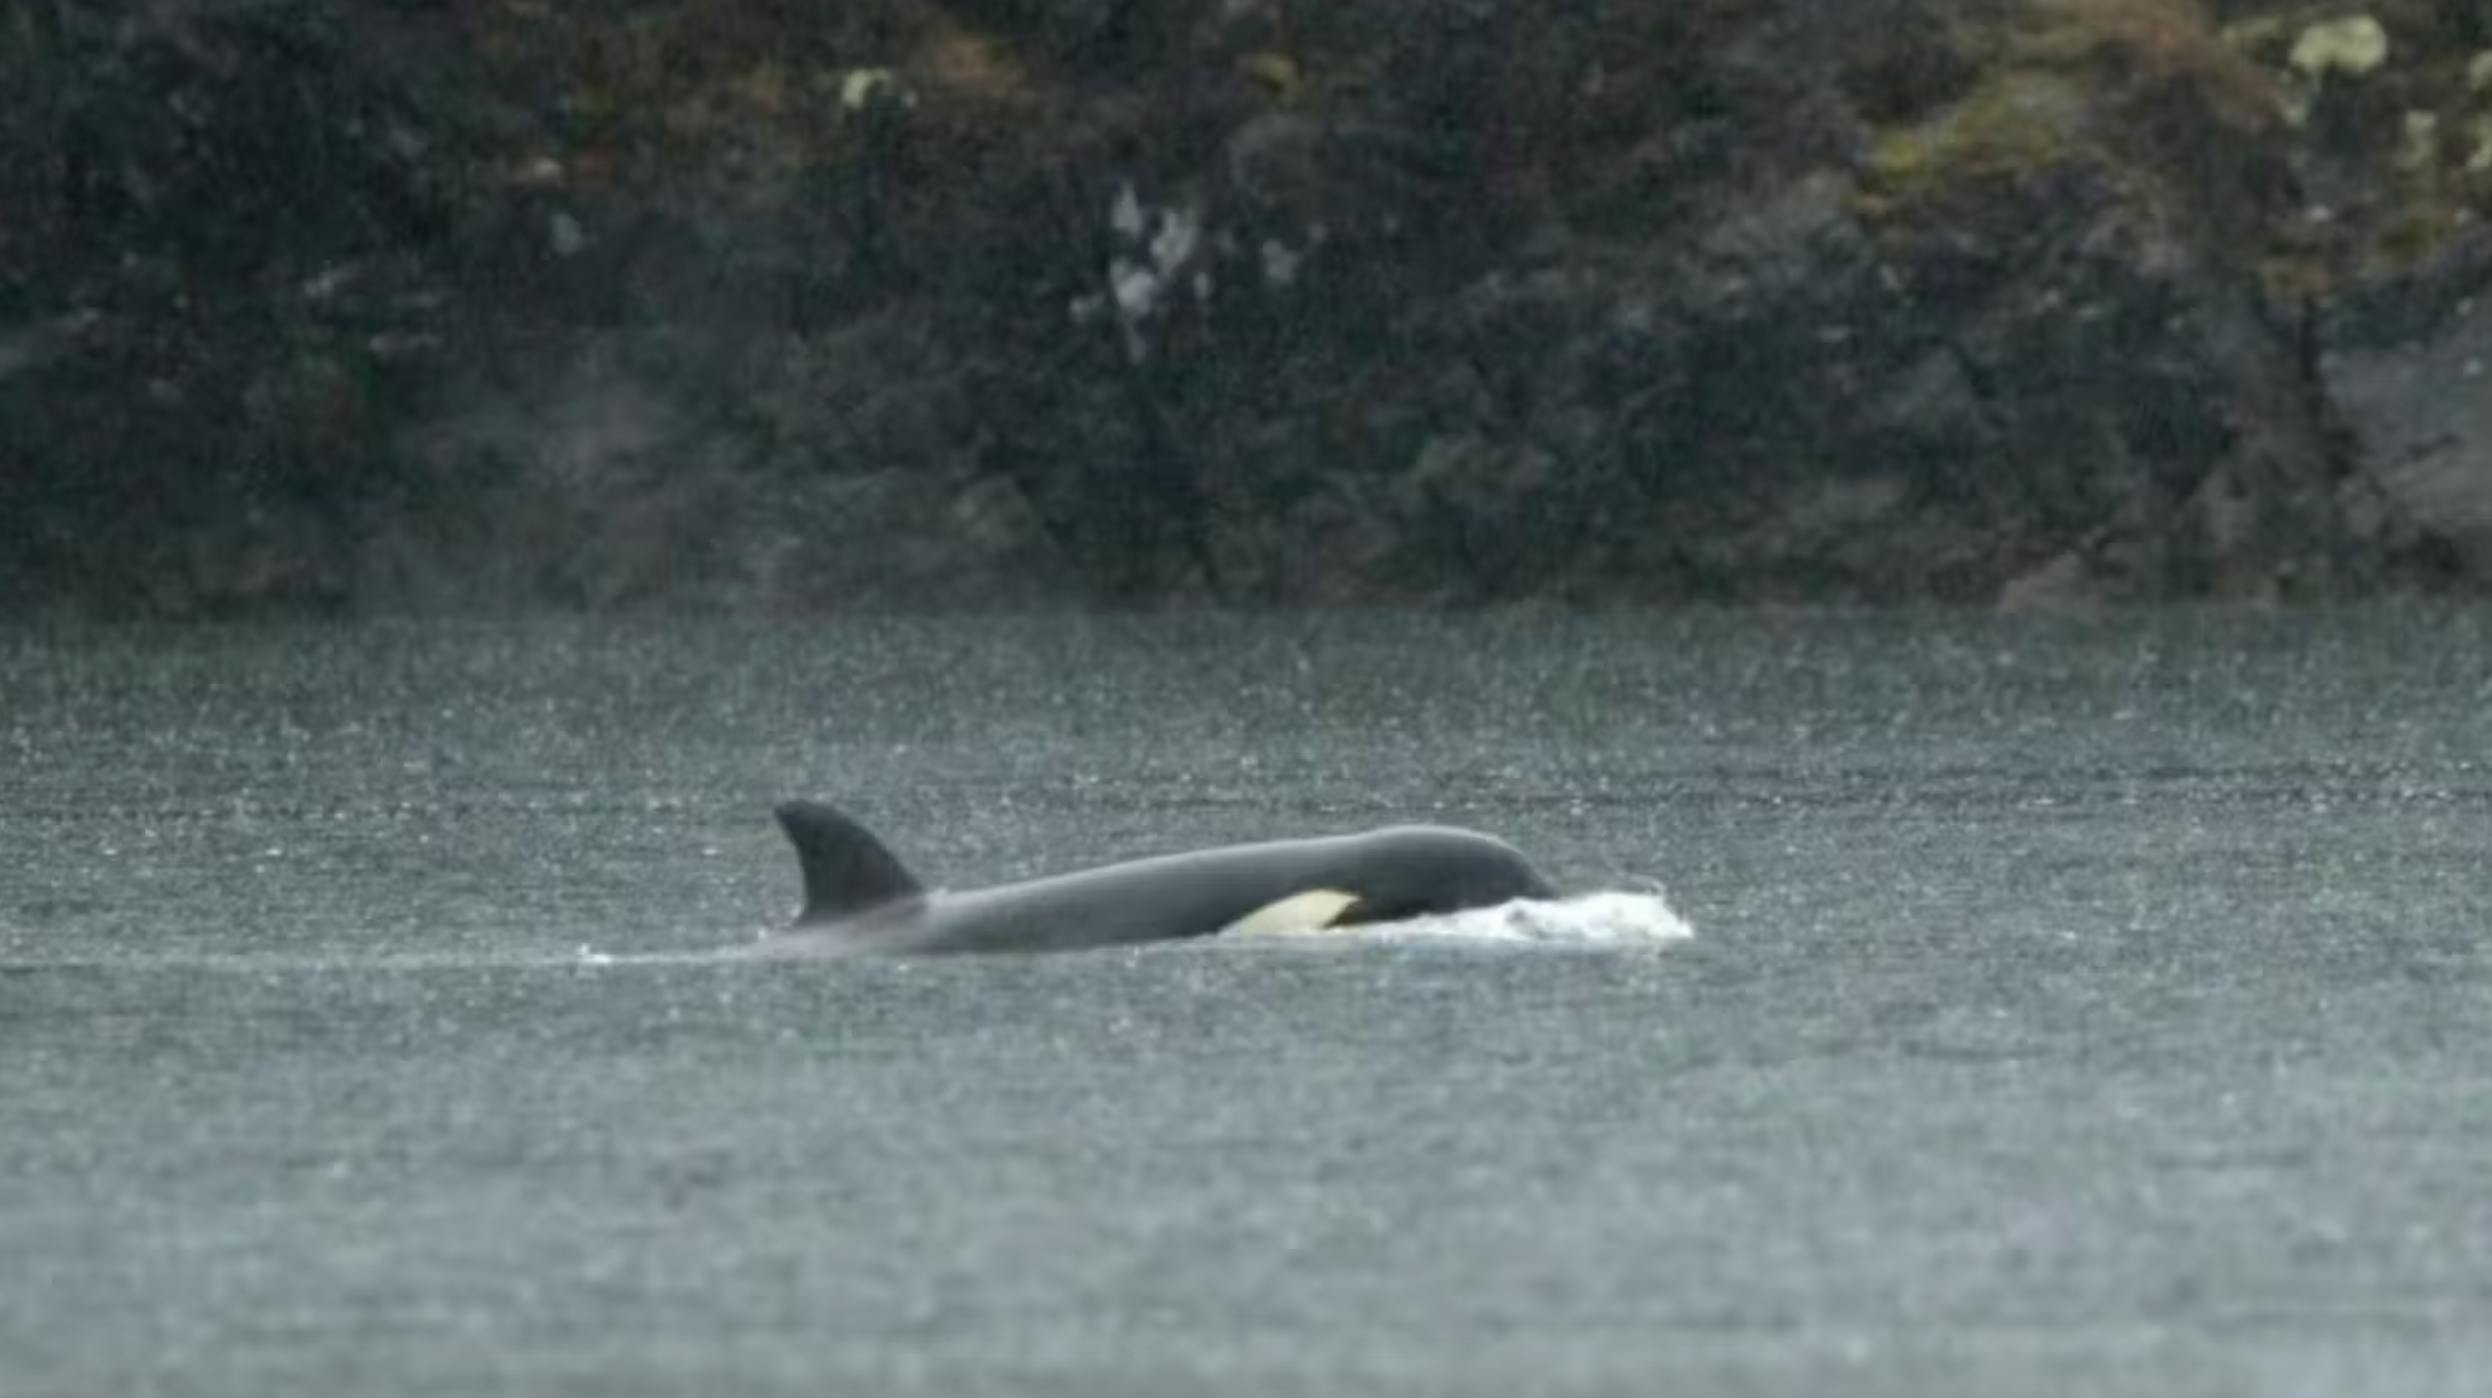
x=757 y=302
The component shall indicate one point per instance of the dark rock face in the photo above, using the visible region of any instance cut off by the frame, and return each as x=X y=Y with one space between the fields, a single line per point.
x=2417 y=393
x=214 y=296
x=902 y=304
x=1756 y=346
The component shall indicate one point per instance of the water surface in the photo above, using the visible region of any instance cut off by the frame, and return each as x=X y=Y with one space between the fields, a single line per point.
x=2076 y=1006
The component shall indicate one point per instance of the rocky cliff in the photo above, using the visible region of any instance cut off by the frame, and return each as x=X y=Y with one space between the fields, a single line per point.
x=390 y=304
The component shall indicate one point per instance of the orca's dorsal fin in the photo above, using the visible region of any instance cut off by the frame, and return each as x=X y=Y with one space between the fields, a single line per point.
x=847 y=870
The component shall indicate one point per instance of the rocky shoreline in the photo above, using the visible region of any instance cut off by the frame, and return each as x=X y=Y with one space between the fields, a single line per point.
x=384 y=306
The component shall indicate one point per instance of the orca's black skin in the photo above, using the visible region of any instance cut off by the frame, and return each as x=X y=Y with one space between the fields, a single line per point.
x=858 y=898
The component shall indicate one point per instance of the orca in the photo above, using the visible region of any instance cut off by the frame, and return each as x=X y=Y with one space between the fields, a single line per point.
x=860 y=899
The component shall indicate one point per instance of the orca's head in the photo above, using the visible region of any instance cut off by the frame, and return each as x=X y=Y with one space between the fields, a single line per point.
x=1417 y=870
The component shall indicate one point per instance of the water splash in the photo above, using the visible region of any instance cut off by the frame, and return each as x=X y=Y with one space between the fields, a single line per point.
x=1611 y=918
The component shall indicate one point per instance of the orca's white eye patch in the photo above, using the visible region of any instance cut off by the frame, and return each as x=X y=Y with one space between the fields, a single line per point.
x=1311 y=911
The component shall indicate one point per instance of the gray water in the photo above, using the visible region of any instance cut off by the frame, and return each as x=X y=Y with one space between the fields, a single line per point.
x=2076 y=1006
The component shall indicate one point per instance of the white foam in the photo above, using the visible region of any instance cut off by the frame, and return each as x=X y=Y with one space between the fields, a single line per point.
x=1612 y=918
